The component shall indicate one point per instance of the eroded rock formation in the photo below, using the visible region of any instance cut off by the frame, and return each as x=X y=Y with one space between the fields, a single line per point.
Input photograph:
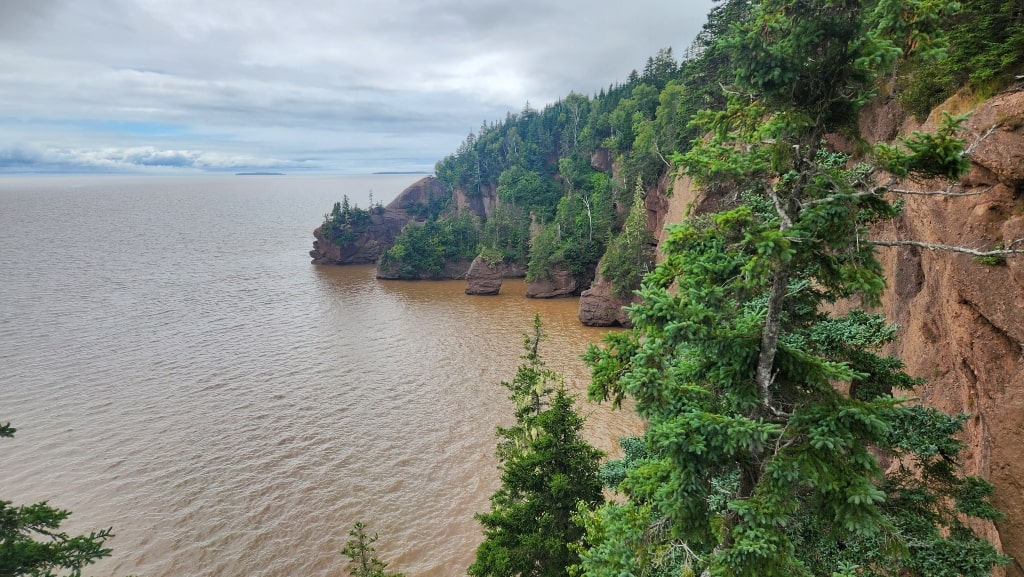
x=483 y=278
x=561 y=284
x=962 y=321
x=367 y=246
x=600 y=308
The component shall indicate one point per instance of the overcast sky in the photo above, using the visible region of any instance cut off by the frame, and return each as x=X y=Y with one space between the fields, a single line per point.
x=344 y=86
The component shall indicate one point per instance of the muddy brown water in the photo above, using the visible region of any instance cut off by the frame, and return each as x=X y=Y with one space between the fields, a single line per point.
x=177 y=370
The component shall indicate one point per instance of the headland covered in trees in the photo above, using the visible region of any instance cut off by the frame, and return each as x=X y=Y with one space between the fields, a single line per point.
x=816 y=142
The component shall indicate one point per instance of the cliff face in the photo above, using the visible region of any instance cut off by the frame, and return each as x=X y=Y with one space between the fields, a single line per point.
x=962 y=322
x=367 y=246
x=672 y=199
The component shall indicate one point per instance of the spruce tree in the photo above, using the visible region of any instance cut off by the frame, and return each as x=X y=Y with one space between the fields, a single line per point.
x=363 y=560
x=766 y=415
x=547 y=470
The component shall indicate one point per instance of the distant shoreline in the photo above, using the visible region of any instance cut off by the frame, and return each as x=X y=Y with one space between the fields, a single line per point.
x=260 y=174
x=402 y=172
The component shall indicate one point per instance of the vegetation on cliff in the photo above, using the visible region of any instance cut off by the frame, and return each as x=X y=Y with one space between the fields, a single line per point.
x=559 y=180
x=346 y=220
x=422 y=250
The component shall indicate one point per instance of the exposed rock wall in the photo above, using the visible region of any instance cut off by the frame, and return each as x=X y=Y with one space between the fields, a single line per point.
x=673 y=198
x=481 y=204
x=420 y=192
x=962 y=322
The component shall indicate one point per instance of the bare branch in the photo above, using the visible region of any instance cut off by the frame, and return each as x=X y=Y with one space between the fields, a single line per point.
x=882 y=189
x=986 y=134
x=657 y=150
x=833 y=197
x=787 y=223
x=950 y=248
x=948 y=192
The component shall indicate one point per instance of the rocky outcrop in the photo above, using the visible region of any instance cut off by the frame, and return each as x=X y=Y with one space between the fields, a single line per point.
x=483 y=278
x=420 y=193
x=602 y=160
x=482 y=203
x=561 y=284
x=600 y=308
x=367 y=244
x=667 y=204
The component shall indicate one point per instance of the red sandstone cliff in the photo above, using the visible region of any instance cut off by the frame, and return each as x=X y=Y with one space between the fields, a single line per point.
x=962 y=322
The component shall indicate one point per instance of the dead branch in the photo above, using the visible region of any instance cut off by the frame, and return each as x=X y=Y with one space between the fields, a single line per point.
x=1010 y=251
x=948 y=192
x=986 y=134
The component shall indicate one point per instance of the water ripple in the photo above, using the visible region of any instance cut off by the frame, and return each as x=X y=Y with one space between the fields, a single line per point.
x=177 y=370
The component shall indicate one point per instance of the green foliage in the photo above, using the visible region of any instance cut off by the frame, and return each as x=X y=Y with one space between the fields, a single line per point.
x=576 y=238
x=547 y=470
x=345 y=221
x=363 y=561
x=985 y=48
x=31 y=542
x=630 y=254
x=431 y=210
x=507 y=234
x=928 y=155
x=613 y=473
x=994 y=260
x=766 y=416
x=421 y=250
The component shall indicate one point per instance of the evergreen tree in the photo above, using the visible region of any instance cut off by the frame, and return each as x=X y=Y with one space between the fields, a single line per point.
x=766 y=416
x=363 y=561
x=630 y=254
x=547 y=469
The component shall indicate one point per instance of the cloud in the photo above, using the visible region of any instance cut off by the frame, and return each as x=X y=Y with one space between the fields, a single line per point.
x=339 y=86
x=19 y=159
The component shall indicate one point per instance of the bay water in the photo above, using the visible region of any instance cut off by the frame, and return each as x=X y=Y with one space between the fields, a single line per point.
x=179 y=371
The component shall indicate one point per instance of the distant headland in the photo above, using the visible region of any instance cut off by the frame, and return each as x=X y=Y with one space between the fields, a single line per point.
x=260 y=174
